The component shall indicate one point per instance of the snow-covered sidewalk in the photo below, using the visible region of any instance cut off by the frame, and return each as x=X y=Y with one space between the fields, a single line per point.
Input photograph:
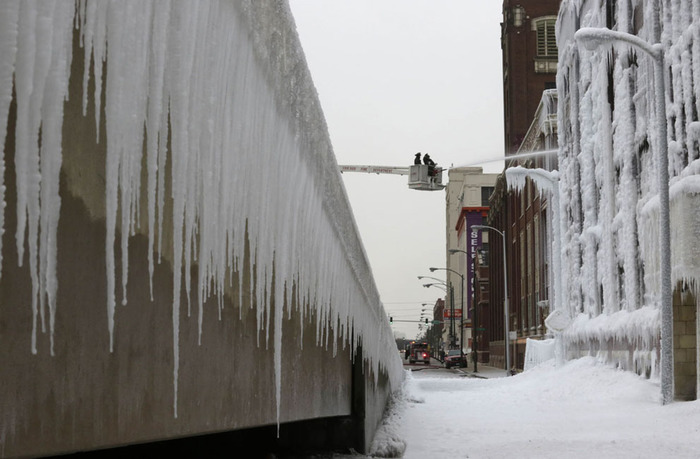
x=581 y=410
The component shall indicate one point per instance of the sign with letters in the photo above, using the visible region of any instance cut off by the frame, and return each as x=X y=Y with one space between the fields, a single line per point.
x=473 y=243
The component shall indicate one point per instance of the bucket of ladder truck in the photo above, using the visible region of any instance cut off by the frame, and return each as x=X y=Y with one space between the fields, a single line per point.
x=420 y=179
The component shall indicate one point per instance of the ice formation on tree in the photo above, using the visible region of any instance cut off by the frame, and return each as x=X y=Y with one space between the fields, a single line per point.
x=608 y=137
x=249 y=154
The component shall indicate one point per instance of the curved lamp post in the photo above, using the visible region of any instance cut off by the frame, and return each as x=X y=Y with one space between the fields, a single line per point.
x=433 y=278
x=461 y=320
x=592 y=38
x=443 y=286
x=506 y=319
x=474 y=327
x=435 y=284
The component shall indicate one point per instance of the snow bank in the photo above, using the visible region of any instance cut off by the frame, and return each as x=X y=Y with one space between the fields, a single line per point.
x=537 y=352
x=580 y=410
x=387 y=440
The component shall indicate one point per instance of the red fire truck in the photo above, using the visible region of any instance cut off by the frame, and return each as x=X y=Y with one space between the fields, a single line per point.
x=419 y=352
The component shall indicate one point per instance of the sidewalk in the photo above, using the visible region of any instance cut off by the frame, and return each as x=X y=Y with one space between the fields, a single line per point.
x=483 y=371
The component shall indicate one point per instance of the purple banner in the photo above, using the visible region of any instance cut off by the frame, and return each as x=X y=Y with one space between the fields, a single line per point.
x=473 y=243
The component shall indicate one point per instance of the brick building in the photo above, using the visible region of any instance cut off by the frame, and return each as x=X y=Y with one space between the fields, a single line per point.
x=529 y=63
x=529 y=71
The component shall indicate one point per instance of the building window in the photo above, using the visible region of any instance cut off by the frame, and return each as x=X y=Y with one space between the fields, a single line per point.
x=483 y=254
x=523 y=282
x=485 y=195
x=529 y=267
x=546 y=38
x=547 y=53
x=536 y=224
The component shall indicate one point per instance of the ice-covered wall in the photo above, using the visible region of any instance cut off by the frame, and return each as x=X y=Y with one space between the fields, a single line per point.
x=212 y=100
x=608 y=137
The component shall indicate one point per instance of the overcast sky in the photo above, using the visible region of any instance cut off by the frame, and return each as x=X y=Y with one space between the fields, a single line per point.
x=397 y=77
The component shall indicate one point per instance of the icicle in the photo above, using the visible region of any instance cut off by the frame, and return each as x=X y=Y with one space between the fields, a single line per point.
x=89 y=10
x=9 y=18
x=95 y=40
x=180 y=70
x=33 y=61
x=56 y=92
x=155 y=126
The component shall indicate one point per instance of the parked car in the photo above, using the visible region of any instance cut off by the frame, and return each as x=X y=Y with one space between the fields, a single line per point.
x=454 y=358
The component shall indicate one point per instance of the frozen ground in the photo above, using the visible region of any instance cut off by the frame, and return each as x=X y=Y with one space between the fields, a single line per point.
x=581 y=410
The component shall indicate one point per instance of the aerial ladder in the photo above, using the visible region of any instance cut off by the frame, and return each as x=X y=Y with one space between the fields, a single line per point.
x=420 y=176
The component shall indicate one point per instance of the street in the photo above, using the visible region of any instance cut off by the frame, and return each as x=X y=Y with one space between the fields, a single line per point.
x=420 y=366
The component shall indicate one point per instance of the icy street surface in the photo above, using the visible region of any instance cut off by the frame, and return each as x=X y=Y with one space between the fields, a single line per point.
x=581 y=410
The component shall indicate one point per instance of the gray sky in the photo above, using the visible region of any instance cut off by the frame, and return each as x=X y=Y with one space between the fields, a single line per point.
x=397 y=77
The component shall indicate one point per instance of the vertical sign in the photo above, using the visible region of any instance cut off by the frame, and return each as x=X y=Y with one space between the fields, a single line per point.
x=473 y=243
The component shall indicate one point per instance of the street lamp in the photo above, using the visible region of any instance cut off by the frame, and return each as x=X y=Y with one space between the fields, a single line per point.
x=440 y=285
x=461 y=320
x=435 y=284
x=474 y=325
x=592 y=38
x=433 y=278
x=505 y=295
x=443 y=286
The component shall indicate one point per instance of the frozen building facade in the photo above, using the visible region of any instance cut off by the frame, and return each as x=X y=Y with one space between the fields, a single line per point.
x=608 y=144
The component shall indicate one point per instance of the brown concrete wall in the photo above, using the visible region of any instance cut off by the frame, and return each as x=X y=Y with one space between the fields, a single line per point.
x=85 y=397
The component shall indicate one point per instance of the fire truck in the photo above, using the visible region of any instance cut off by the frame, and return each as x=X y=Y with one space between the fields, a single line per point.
x=419 y=351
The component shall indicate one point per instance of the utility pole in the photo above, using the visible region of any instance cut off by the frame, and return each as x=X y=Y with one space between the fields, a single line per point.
x=452 y=317
x=475 y=327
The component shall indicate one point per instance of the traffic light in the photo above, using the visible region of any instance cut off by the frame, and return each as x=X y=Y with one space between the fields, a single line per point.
x=426 y=320
x=391 y=319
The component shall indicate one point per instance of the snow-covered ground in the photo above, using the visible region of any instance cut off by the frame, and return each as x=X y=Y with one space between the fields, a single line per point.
x=582 y=410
